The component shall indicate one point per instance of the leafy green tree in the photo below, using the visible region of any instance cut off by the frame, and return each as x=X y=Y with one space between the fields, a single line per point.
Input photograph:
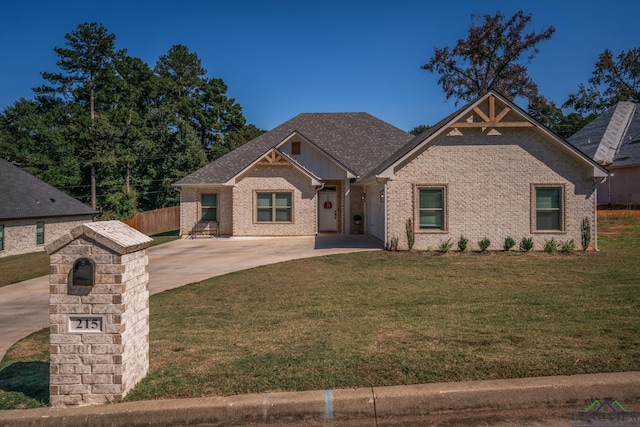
x=185 y=91
x=107 y=123
x=35 y=137
x=614 y=79
x=86 y=81
x=419 y=129
x=495 y=55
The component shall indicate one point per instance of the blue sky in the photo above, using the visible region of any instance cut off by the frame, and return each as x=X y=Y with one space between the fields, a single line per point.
x=281 y=58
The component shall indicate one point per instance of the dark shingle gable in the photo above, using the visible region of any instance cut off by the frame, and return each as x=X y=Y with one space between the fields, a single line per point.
x=22 y=195
x=357 y=140
x=612 y=138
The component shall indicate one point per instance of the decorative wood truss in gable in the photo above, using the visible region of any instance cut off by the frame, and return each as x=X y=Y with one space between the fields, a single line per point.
x=484 y=116
x=273 y=159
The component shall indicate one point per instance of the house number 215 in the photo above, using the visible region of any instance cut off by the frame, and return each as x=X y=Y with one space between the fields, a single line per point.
x=85 y=324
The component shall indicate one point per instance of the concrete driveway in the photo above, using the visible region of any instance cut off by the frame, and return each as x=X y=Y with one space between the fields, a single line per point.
x=24 y=306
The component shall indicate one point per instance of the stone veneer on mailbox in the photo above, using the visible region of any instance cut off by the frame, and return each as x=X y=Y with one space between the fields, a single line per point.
x=99 y=366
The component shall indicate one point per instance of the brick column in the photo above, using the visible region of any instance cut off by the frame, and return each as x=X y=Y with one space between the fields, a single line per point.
x=99 y=332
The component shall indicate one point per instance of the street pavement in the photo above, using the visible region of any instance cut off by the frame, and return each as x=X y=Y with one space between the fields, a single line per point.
x=24 y=306
x=611 y=399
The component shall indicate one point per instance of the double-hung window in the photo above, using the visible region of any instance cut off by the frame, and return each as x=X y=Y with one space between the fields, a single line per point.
x=209 y=206
x=431 y=208
x=273 y=207
x=548 y=208
x=40 y=233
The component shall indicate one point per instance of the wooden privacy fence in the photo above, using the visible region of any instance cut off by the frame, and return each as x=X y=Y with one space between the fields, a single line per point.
x=156 y=221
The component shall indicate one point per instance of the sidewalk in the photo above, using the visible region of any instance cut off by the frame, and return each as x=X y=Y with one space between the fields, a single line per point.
x=372 y=406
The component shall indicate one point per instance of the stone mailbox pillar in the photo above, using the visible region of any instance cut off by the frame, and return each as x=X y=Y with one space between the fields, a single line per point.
x=99 y=313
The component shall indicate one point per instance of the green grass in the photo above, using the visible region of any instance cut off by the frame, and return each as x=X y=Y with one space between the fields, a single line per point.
x=12 y=268
x=388 y=318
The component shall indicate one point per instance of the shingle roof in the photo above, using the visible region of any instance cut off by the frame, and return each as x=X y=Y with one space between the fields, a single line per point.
x=22 y=195
x=612 y=138
x=359 y=141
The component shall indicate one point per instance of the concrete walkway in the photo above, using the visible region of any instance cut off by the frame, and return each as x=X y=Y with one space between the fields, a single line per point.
x=557 y=401
x=24 y=306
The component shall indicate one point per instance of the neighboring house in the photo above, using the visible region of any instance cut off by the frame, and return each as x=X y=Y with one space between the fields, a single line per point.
x=33 y=213
x=487 y=170
x=613 y=140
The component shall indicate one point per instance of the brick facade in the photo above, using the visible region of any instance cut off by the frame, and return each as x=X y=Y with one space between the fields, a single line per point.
x=488 y=181
x=20 y=234
x=274 y=179
x=191 y=209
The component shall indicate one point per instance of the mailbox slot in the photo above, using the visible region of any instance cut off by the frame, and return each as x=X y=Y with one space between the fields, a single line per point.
x=84 y=272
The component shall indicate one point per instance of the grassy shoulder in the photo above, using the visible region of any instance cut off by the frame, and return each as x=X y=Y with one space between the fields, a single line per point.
x=388 y=318
x=12 y=268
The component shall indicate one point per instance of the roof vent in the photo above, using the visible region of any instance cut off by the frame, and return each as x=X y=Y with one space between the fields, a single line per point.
x=53 y=200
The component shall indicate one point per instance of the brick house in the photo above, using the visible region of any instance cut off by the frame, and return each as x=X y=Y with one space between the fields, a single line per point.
x=613 y=140
x=33 y=213
x=487 y=170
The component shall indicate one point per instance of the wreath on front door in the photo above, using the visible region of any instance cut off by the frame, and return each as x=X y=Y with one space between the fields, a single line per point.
x=328 y=205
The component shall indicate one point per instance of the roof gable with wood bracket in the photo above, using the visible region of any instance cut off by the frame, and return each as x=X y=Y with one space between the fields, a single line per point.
x=274 y=157
x=488 y=113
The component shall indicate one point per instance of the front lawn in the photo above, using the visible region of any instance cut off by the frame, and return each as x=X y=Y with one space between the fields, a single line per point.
x=388 y=318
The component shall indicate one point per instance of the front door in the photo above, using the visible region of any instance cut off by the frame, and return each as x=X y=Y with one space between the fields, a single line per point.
x=328 y=211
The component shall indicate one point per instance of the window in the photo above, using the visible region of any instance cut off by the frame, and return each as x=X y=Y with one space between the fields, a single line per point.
x=40 y=233
x=295 y=147
x=273 y=207
x=548 y=209
x=209 y=207
x=1 y=237
x=431 y=208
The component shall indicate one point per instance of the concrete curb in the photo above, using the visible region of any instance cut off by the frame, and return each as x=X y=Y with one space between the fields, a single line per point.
x=574 y=392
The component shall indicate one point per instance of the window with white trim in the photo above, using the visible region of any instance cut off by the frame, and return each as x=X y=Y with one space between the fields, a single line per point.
x=1 y=237
x=274 y=207
x=548 y=208
x=431 y=208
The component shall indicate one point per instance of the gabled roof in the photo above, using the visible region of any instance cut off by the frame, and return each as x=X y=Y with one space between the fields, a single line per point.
x=22 y=195
x=275 y=156
x=358 y=141
x=515 y=117
x=612 y=138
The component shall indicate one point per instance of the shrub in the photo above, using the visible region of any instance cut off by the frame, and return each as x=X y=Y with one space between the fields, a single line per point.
x=411 y=237
x=462 y=243
x=550 y=246
x=484 y=244
x=393 y=244
x=445 y=246
x=585 y=231
x=567 y=247
x=526 y=244
x=508 y=243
